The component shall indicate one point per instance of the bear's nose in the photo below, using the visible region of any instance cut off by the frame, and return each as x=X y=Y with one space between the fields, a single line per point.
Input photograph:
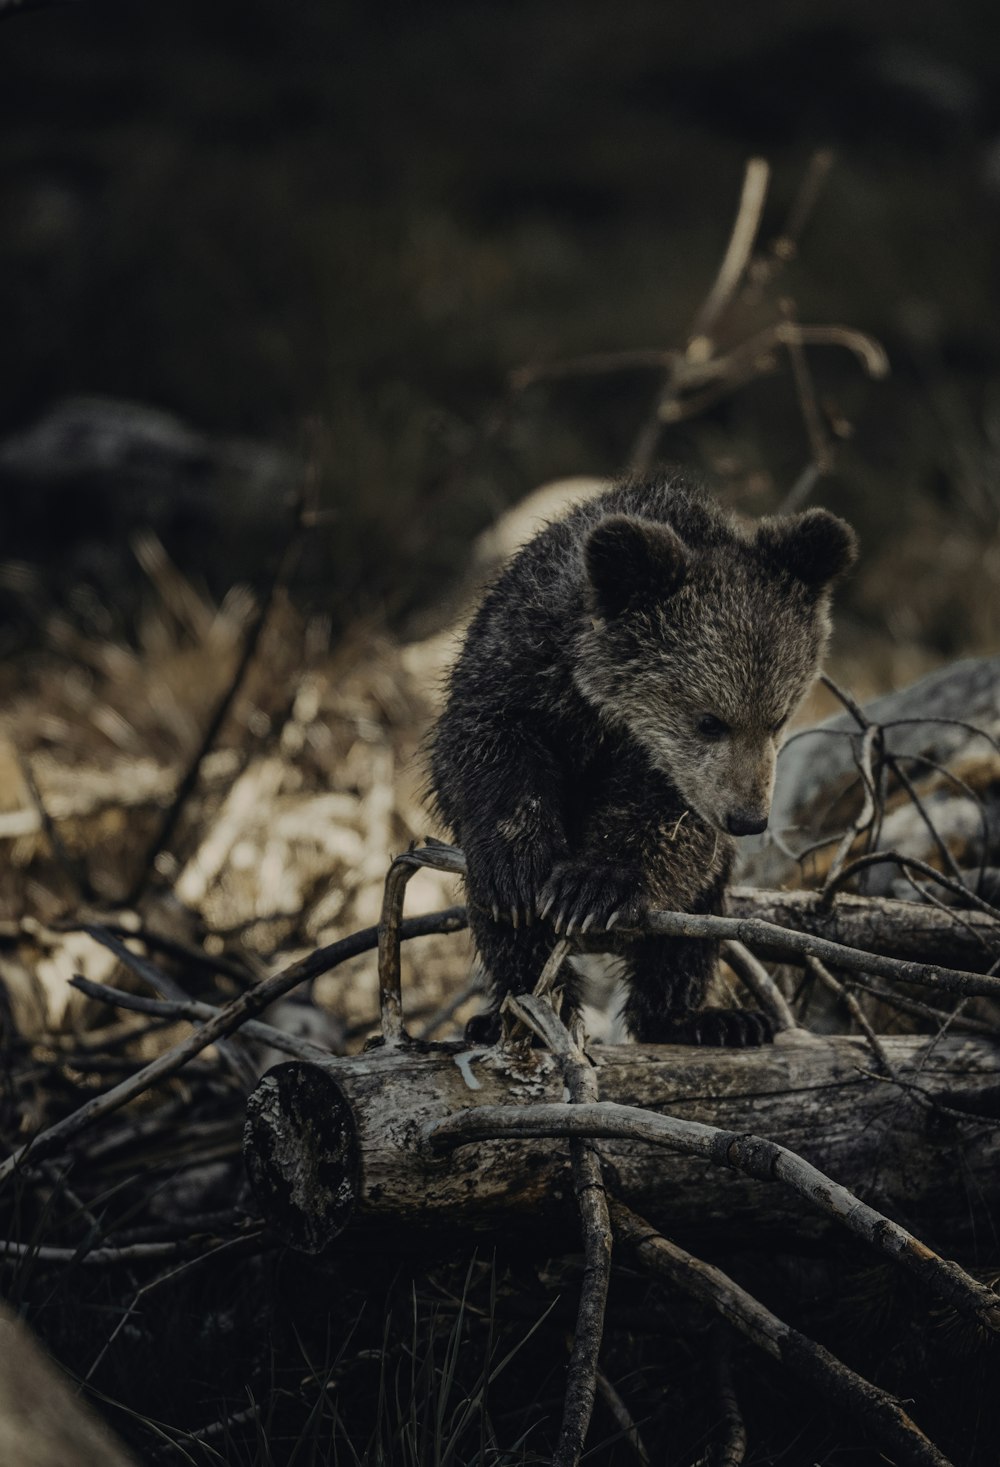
x=740 y=823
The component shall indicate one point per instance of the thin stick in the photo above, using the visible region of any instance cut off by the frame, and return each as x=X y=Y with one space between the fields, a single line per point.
x=940 y=844
x=754 y=1156
x=874 y=730
x=741 y=242
x=833 y=984
x=227 y=1245
x=869 y=809
x=805 y=389
x=966 y=789
x=756 y=933
x=130 y=1254
x=799 y=493
x=196 y=1013
x=907 y=1005
x=751 y=971
x=447 y=1011
x=923 y=868
x=731 y=1450
x=438 y=856
x=896 y=1433
x=192 y=774
x=588 y=1183
x=226 y=1021
x=611 y=1398
x=168 y=988
x=785 y=246
x=591 y=364
x=170 y=946
x=75 y=869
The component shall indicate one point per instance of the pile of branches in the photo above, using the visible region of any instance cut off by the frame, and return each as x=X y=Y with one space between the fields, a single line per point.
x=217 y=909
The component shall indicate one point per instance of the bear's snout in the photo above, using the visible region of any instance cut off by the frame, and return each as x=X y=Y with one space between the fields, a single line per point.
x=740 y=822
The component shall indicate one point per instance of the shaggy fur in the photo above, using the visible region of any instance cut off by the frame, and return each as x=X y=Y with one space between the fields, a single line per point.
x=613 y=719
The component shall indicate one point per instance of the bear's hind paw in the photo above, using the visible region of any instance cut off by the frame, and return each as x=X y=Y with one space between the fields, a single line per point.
x=713 y=1027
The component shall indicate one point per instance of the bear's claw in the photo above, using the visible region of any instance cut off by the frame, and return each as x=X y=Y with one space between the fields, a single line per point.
x=588 y=896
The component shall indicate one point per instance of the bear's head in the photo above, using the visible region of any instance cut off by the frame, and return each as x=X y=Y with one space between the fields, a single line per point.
x=704 y=651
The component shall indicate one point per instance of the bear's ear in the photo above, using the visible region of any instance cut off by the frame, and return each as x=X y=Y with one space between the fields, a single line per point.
x=816 y=547
x=633 y=562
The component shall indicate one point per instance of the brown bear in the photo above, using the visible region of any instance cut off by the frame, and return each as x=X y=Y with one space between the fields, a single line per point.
x=612 y=723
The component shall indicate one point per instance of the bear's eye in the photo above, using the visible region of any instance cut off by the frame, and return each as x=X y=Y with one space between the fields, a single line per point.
x=777 y=727
x=711 y=727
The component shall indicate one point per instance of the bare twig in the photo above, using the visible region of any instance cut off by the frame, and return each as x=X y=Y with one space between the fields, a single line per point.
x=168 y=988
x=447 y=1011
x=784 y=246
x=833 y=984
x=74 y=868
x=964 y=788
x=901 y=929
x=588 y=1184
x=908 y=1005
x=730 y=1450
x=876 y=1409
x=766 y=936
x=939 y=843
x=910 y=863
x=753 y=1155
x=592 y=364
x=247 y=1242
x=805 y=388
x=866 y=817
x=438 y=856
x=756 y=178
x=752 y=972
x=197 y=1013
x=798 y=494
x=226 y=1021
x=229 y=967
x=188 y=782
x=611 y=1398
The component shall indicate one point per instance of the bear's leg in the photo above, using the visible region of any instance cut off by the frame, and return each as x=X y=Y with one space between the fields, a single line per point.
x=667 y=978
x=513 y=958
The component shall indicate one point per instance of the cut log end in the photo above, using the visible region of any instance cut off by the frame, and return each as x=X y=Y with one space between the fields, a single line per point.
x=306 y=1177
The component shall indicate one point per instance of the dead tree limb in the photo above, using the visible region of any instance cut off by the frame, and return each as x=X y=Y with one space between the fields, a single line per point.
x=875 y=1409
x=754 y=1156
x=344 y=1141
x=905 y=930
x=588 y=1184
x=228 y=1019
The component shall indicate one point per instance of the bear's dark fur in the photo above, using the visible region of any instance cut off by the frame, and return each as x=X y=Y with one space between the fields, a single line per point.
x=613 y=719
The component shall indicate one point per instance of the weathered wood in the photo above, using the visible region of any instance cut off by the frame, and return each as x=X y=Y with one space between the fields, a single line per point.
x=910 y=931
x=949 y=717
x=345 y=1141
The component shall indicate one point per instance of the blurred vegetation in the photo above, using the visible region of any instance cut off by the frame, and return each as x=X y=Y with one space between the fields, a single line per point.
x=336 y=229
x=366 y=217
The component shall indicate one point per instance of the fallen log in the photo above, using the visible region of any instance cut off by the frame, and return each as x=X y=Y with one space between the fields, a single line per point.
x=911 y=931
x=348 y=1142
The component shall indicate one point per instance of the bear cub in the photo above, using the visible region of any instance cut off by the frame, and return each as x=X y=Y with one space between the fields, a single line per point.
x=612 y=722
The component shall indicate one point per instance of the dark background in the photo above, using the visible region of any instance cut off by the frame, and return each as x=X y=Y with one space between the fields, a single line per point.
x=335 y=229
x=311 y=242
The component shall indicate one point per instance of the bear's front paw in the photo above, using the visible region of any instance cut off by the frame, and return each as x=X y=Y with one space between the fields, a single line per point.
x=504 y=878
x=579 y=896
